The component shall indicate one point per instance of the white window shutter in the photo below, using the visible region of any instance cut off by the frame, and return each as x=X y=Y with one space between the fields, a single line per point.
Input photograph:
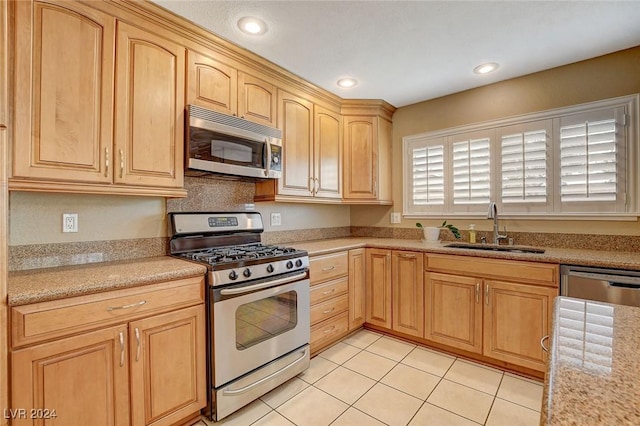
x=471 y=165
x=428 y=175
x=592 y=161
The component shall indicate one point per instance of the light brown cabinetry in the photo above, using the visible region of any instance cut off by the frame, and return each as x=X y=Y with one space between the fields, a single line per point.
x=312 y=157
x=141 y=363
x=407 y=283
x=357 y=280
x=68 y=79
x=149 y=109
x=378 y=292
x=367 y=153
x=214 y=82
x=498 y=308
x=329 y=298
x=395 y=290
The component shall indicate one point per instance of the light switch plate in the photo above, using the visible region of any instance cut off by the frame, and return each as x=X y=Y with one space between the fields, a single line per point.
x=396 y=217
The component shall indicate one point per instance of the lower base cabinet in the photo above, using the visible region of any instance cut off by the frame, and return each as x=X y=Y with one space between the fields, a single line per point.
x=143 y=370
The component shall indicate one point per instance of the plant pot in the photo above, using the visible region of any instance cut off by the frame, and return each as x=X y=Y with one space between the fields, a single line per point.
x=431 y=233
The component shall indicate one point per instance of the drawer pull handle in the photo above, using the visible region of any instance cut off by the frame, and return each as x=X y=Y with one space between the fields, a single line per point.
x=328 y=311
x=328 y=291
x=133 y=305
x=121 y=337
x=137 y=344
x=329 y=330
x=329 y=268
x=544 y=348
x=407 y=256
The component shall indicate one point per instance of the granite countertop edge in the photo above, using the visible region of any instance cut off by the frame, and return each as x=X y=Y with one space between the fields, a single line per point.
x=25 y=287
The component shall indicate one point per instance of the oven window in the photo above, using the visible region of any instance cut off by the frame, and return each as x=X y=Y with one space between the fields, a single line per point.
x=265 y=318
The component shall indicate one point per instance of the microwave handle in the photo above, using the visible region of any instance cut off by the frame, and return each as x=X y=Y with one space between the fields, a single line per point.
x=267 y=170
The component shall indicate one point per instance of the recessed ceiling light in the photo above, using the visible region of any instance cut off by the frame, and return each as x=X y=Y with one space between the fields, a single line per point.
x=486 y=68
x=253 y=26
x=347 y=82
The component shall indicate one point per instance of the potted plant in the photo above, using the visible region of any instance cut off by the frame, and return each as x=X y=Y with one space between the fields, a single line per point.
x=432 y=233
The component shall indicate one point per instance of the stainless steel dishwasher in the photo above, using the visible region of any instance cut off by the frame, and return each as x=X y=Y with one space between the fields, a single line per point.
x=603 y=285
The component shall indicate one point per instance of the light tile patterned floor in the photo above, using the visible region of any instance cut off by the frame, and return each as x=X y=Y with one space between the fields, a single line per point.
x=371 y=379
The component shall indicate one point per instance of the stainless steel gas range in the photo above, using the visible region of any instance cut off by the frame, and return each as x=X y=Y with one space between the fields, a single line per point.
x=258 y=305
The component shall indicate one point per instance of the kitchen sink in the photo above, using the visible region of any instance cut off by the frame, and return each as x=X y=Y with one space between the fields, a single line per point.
x=494 y=247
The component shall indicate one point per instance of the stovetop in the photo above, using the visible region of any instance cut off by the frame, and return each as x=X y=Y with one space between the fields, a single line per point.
x=240 y=255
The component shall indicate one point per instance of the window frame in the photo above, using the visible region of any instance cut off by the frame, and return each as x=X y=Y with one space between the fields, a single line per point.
x=552 y=208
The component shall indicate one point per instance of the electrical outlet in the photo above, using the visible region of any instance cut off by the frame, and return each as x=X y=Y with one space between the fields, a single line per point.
x=70 y=222
x=396 y=217
x=276 y=219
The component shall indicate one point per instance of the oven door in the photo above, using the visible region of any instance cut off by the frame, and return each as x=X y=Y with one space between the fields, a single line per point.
x=253 y=326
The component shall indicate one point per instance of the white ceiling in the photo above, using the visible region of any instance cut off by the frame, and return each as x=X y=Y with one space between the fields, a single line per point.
x=409 y=51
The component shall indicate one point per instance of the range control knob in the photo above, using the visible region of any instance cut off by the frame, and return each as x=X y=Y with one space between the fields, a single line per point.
x=299 y=263
x=233 y=275
x=289 y=265
x=269 y=268
x=247 y=272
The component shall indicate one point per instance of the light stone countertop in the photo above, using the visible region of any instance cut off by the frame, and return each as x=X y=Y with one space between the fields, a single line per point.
x=39 y=285
x=598 y=258
x=593 y=375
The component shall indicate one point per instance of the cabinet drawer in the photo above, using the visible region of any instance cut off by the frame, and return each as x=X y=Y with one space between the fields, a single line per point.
x=327 y=331
x=330 y=308
x=526 y=272
x=324 y=268
x=48 y=320
x=325 y=291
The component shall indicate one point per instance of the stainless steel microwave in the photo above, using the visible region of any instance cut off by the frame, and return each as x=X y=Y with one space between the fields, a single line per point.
x=220 y=144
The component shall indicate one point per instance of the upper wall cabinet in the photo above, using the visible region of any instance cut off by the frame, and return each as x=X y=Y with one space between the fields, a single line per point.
x=312 y=161
x=216 y=85
x=367 y=152
x=149 y=109
x=64 y=95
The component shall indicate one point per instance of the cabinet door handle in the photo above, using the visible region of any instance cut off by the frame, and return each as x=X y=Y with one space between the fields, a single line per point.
x=375 y=188
x=324 y=293
x=486 y=294
x=329 y=268
x=328 y=311
x=133 y=305
x=544 y=348
x=329 y=330
x=121 y=163
x=312 y=185
x=477 y=292
x=316 y=186
x=137 y=343
x=121 y=337
x=407 y=256
x=106 y=162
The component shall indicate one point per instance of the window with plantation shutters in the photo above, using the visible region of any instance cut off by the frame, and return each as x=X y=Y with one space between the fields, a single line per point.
x=591 y=157
x=571 y=162
x=471 y=164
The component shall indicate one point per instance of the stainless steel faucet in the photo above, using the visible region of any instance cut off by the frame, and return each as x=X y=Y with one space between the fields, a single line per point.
x=493 y=214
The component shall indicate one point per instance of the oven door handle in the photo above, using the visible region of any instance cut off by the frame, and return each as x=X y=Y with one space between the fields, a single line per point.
x=265 y=379
x=250 y=288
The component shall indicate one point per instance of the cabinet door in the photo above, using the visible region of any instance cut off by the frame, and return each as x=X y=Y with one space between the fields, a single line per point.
x=327 y=154
x=256 y=100
x=83 y=378
x=357 y=303
x=378 y=291
x=149 y=109
x=360 y=158
x=454 y=311
x=64 y=84
x=168 y=373
x=296 y=121
x=211 y=84
x=516 y=317
x=408 y=292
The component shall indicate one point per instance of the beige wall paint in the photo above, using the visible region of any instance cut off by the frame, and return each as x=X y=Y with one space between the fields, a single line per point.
x=304 y=216
x=36 y=218
x=604 y=77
